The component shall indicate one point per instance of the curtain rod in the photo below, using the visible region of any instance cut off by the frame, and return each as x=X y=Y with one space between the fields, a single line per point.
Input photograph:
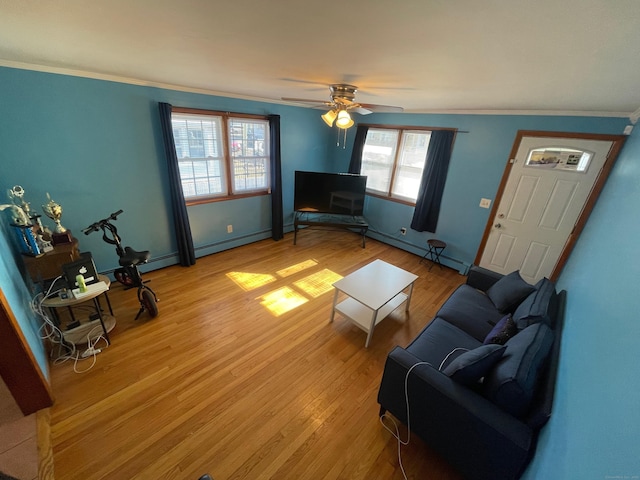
x=410 y=127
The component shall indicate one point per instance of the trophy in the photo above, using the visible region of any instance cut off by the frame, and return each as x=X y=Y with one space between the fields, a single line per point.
x=20 y=206
x=53 y=210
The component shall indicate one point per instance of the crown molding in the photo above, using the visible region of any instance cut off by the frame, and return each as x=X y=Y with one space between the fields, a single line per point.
x=553 y=113
x=145 y=83
x=126 y=80
x=635 y=116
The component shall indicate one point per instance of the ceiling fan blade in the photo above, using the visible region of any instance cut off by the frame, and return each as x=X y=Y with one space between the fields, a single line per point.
x=343 y=97
x=382 y=108
x=344 y=101
x=305 y=100
x=357 y=108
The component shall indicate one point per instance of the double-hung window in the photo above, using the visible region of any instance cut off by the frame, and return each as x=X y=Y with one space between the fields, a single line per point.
x=221 y=155
x=393 y=160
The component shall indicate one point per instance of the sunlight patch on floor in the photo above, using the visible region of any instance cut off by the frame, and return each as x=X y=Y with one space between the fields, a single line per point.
x=318 y=283
x=282 y=300
x=287 y=298
x=298 y=267
x=250 y=281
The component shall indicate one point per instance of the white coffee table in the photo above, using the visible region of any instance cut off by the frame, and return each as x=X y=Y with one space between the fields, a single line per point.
x=373 y=292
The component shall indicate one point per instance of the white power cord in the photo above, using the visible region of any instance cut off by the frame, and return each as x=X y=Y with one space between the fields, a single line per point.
x=396 y=431
x=91 y=350
x=50 y=331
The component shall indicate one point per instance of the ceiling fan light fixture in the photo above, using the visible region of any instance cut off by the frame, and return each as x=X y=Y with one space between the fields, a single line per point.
x=344 y=120
x=329 y=117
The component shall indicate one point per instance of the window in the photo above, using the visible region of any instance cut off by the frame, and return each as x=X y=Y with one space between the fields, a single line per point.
x=559 y=158
x=393 y=161
x=221 y=155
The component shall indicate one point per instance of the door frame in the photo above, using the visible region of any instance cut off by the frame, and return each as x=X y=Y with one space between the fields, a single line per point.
x=617 y=143
x=18 y=367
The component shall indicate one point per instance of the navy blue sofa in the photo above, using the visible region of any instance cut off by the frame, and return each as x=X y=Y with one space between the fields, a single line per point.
x=484 y=385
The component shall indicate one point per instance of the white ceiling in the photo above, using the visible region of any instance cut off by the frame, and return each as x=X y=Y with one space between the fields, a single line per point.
x=562 y=56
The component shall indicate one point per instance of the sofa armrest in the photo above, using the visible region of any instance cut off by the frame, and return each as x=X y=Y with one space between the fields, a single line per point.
x=481 y=278
x=454 y=419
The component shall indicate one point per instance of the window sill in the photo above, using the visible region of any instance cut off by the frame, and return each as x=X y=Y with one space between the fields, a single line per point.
x=202 y=200
x=410 y=203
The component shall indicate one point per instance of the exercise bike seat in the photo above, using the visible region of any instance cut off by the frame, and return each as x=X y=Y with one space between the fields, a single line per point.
x=132 y=257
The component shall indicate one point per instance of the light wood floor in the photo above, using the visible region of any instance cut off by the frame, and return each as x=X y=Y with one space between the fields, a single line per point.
x=218 y=383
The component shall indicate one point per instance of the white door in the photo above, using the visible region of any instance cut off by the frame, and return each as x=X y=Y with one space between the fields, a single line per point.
x=549 y=182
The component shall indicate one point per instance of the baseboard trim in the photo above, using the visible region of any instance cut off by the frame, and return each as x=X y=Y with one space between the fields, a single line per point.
x=453 y=263
x=156 y=263
x=169 y=259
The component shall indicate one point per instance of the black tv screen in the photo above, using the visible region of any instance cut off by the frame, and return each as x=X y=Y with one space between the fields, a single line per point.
x=334 y=193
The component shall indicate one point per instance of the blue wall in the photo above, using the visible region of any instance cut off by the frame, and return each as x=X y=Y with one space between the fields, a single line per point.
x=478 y=160
x=17 y=293
x=96 y=146
x=594 y=432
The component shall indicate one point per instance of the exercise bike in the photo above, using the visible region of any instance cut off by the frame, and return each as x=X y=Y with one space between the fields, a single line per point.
x=129 y=260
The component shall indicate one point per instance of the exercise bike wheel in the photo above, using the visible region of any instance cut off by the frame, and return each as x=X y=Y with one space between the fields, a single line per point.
x=148 y=301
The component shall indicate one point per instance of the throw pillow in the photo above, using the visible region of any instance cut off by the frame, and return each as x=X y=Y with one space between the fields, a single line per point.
x=503 y=331
x=511 y=384
x=471 y=366
x=509 y=291
x=540 y=306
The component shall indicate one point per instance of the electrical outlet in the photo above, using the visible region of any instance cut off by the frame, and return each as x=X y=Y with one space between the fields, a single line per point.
x=229 y=228
x=403 y=231
x=485 y=202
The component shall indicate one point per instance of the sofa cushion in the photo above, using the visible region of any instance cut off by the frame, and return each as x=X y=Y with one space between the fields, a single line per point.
x=507 y=293
x=470 y=310
x=511 y=383
x=503 y=331
x=471 y=366
x=438 y=339
x=539 y=306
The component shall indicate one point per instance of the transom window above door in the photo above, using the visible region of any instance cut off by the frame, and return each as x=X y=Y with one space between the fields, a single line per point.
x=559 y=158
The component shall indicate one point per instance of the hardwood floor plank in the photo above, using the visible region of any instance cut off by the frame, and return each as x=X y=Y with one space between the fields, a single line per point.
x=233 y=380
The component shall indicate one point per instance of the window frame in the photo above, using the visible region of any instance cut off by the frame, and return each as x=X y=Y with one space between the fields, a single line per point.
x=227 y=158
x=401 y=129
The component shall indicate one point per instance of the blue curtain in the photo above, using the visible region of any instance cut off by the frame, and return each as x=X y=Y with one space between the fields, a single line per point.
x=358 y=145
x=182 y=228
x=277 y=220
x=425 y=215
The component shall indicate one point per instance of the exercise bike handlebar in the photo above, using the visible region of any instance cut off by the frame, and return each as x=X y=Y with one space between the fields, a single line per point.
x=94 y=227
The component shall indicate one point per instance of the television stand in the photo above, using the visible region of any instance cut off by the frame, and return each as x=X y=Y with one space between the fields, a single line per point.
x=346 y=222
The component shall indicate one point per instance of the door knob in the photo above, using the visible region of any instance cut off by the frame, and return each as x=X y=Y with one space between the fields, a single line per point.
x=497 y=225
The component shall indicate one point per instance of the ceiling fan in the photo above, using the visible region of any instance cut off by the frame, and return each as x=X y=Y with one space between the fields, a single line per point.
x=342 y=103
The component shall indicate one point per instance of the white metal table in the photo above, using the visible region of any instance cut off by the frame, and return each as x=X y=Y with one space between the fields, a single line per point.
x=373 y=292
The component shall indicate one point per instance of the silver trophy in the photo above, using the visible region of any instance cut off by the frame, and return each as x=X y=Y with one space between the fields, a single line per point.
x=53 y=210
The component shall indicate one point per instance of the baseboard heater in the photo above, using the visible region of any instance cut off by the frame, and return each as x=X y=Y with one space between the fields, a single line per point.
x=462 y=267
x=161 y=261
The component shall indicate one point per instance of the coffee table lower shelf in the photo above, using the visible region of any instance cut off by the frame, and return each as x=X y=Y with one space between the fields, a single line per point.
x=361 y=315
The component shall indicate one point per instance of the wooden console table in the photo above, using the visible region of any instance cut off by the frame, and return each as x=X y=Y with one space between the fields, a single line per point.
x=346 y=222
x=49 y=265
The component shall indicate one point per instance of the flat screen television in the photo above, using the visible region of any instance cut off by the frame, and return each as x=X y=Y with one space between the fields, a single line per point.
x=334 y=193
